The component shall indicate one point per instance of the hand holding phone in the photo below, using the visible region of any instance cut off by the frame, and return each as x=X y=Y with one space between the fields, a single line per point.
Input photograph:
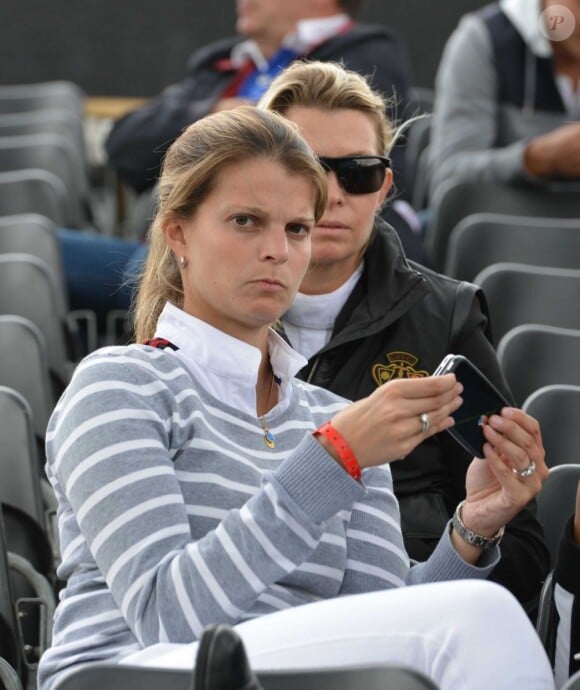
x=480 y=400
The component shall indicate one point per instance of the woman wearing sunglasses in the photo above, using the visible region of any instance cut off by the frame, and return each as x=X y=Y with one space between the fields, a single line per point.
x=366 y=315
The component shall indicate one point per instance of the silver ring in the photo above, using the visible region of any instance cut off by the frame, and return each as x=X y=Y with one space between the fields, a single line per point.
x=526 y=471
x=425 y=423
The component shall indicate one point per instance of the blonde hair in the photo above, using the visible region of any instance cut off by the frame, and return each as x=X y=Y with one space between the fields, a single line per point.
x=329 y=86
x=189 y=171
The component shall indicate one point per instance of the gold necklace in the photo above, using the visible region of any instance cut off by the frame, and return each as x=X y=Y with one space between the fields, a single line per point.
x=269 y=439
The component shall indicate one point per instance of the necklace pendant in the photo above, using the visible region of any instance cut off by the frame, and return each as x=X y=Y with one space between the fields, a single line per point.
x=269 y=439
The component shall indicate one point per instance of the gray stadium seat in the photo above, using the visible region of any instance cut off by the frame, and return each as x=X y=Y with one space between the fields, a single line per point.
x=556 y=502
x=31 y=233
x=557 y=409
x=535 y=355
x=62 y=94
x=19 y=476
x=518 y=294
x=28 y=289
x=483 y=239
x=124 y=677
x=34 y=191
x=58 y=155
x=456 y=200
x=573 y=683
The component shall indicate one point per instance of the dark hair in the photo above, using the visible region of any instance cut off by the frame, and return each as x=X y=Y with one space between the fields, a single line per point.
x=188 y=174
x=352 y=7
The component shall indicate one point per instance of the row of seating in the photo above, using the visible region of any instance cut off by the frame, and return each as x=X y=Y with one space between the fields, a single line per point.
x=521 y=245
x=457 y=200
x=27 y=565
x=43 y=183
x=43 y=163
x=122 y=677
x=482 y=239
x=540 y=205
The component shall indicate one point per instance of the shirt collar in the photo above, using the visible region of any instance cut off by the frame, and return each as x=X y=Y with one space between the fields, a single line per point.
x=309 y=33
x=321 y=311
x=223 y=354
x=525 y=16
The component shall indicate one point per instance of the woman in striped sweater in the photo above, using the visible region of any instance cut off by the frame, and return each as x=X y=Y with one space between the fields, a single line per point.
x=199 y=482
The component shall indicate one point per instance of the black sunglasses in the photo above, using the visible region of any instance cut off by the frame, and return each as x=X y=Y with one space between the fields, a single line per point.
x=358 y=174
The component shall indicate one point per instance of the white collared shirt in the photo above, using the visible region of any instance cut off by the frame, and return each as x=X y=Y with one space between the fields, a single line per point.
x=227 y=367
x=525 y=16
x=309 y=321
x=309 y=32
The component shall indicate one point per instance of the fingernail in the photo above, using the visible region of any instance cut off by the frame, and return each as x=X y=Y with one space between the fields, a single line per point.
x=508 y=412
x=495 y=420
x=489 y=431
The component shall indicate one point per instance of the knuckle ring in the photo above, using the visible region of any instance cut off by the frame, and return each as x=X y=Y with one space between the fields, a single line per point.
x=526 y=471
x=425 y=423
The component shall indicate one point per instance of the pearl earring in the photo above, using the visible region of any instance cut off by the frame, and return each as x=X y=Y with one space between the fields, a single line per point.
x=182 y=261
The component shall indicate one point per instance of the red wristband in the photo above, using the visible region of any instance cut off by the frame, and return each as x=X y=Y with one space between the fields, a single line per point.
x=347 y=457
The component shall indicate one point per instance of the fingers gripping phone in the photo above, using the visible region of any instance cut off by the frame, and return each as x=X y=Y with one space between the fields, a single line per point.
x=480 y=400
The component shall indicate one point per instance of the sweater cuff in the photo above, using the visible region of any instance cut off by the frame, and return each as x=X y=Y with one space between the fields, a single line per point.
x=315 y=482
x=513 y=163
x=446 y=564
x=567 y=570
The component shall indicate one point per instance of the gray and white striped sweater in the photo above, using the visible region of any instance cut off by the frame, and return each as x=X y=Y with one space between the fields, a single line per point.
x=173 y=513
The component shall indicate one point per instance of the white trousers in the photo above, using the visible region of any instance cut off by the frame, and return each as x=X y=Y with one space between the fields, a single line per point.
x=464 y=635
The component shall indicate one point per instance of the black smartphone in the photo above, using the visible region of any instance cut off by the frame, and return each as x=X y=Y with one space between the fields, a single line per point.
x=480 y=399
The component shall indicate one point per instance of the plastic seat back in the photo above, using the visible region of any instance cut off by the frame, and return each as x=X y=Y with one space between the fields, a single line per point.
x=120 y=677
x=557 y=409
x=417 y=137
x=34 y=191
x=28 y=289
x=483 y=239
x=61 y=94
x=518 y=294
x=24 y=367
x=65 y=123
x=556 y=502
x=547 y=618
x=455 y=200
x=34 y=234
x=56 y=154
x=534 y=355
x=19 y=464
x=10 y=641
x=573 y=683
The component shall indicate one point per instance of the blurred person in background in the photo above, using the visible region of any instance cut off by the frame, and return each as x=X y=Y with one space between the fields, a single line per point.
x=507 y=95
x=270 y=34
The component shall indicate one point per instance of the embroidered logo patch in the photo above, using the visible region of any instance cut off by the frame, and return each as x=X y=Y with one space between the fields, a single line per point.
x=401 y=366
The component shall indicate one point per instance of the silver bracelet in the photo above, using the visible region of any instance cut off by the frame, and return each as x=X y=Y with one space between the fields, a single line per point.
x=471 y=537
